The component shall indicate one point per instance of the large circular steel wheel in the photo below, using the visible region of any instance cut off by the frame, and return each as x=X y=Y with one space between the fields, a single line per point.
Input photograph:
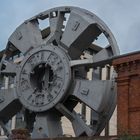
x=44 y=64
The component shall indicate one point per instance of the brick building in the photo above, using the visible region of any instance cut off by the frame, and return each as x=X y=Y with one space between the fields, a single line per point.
x=128 y=94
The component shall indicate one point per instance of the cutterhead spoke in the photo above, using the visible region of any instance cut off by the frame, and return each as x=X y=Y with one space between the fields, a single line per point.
x=80 y=127
x=100 y=96
x=98 y=59
x=79 y=33
x=10 y=68
x=47 y=125
x=103 y=54
x=54 y=32
x=26 y=36
x=94 y=93
x=9 y=104
x=78 y=124
x=56 y=20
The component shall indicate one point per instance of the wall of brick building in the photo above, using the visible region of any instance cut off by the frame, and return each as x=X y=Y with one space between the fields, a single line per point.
x=128 y=94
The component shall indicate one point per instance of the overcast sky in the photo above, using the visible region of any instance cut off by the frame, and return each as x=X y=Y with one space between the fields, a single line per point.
x=121 y=16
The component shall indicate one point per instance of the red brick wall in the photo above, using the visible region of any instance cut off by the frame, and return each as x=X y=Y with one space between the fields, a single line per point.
x=128 y=94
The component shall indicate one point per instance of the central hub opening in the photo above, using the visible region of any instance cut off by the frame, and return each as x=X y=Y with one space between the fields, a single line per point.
x=41 y=77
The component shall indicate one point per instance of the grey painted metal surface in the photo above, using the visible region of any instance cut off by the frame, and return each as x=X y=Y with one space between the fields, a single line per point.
x=47 y=76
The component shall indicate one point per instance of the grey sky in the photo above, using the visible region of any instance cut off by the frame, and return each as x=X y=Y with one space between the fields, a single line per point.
x=122 y=17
